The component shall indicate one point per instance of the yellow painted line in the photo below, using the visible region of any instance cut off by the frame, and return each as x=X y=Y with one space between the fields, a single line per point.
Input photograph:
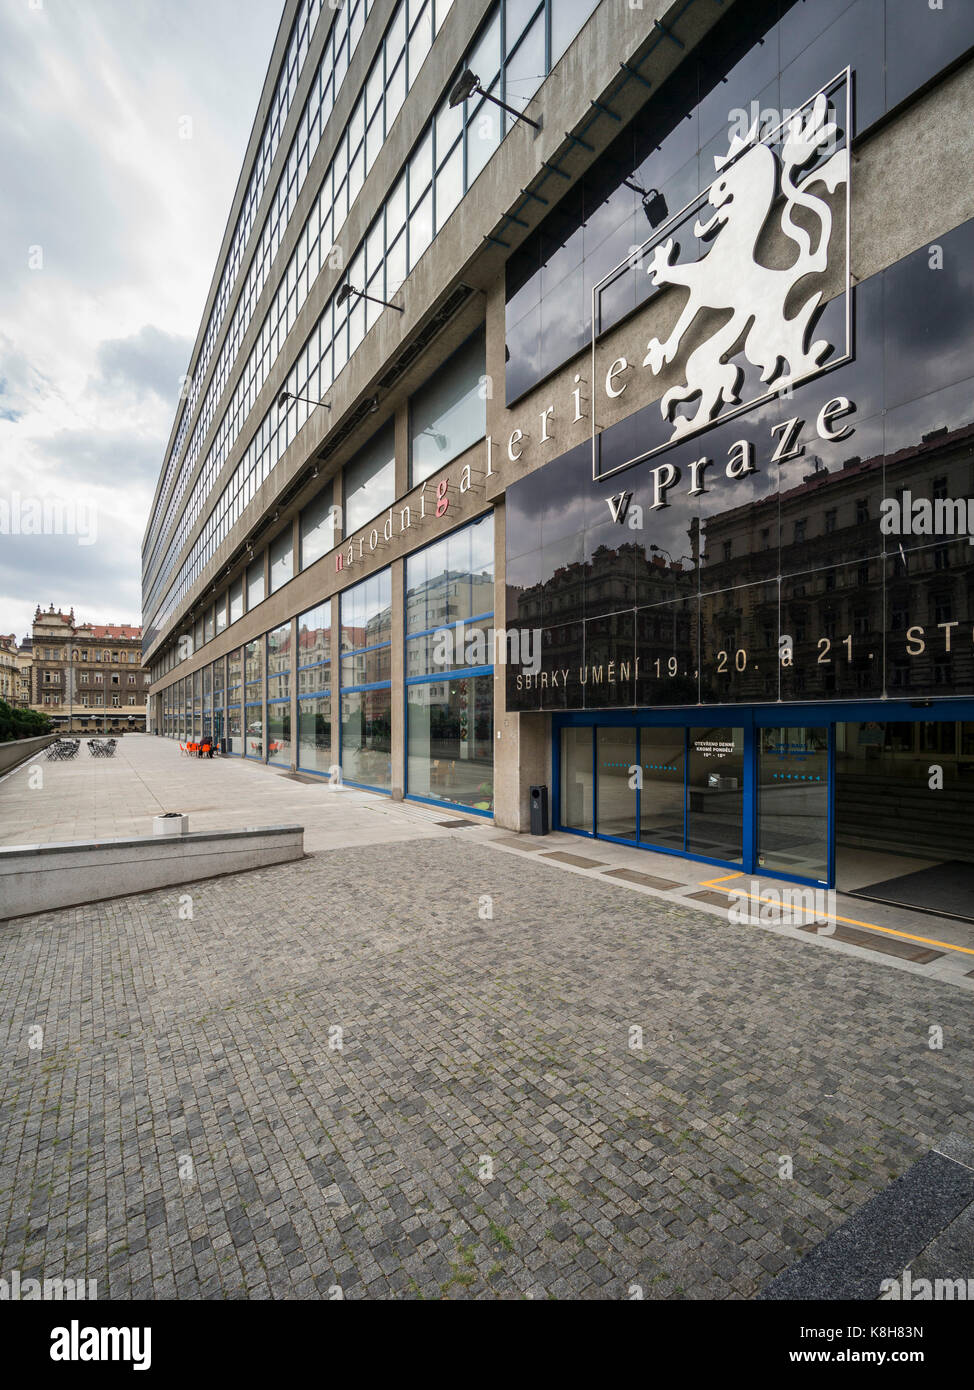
x=849 y=921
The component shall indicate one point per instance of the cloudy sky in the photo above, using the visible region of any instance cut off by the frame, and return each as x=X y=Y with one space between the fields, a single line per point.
x=110 y=223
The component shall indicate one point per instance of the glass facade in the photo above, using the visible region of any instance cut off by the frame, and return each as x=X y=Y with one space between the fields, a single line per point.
x=366 y=696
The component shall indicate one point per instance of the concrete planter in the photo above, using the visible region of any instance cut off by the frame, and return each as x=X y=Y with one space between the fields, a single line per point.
x=170 y=823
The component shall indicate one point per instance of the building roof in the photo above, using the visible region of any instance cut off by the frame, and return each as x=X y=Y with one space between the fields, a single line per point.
x=115 y=631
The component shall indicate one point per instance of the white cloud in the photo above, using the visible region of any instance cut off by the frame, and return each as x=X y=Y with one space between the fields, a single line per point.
x=110 y=225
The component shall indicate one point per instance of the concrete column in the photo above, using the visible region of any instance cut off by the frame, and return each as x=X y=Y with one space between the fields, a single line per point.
x=398 y=569
x=522 y=742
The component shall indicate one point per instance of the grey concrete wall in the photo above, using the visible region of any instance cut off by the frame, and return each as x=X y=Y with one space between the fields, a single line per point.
x=40 y=878
x=18 y=750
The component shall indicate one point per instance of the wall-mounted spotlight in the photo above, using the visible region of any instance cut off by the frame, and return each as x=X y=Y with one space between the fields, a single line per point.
x=468 y=83
x=440 y=440
x=286 y=396
x=373 y=405
x=348 y=290
x=654 y=204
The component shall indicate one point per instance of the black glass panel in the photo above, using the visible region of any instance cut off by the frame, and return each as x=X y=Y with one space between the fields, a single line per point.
x=759 y=62
x=832 y=625
x=738 y=645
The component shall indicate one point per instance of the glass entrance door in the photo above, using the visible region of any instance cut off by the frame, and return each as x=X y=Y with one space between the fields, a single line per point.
x=661 y=800
x=615 y=761
x=715 y=793
x=793 y=801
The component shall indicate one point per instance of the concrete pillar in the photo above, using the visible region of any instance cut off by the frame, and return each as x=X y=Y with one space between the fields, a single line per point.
x=522 y=742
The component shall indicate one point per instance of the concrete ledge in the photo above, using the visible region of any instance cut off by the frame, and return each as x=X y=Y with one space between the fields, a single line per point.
x=41 y=878
x=18 y=750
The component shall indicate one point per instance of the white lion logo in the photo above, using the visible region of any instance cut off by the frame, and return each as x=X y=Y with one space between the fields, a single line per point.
x=729 y=278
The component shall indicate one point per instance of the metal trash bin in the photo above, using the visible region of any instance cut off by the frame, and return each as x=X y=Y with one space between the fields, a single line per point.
x=540 y=824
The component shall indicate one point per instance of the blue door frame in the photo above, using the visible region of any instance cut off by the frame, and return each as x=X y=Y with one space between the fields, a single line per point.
x=750 y=718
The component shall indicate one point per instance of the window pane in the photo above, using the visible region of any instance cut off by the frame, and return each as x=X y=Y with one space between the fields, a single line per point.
x=279 y=662
x=450 y=741
x=483 y=137
x=255 y=584
x=525 y=70
x=567 y=17
x=314 y=734
x=314 y=647
x=449 y=186
x=485 y=60
x=236 y=600
x=279 y=733
x=615 y=755
x=282 y=559
x=370 y=480
x=367 y=738
x=661 y=753
x=421 y=170
x=317 y=528
x=420 y=229
x=450 y=412
x=577 y=780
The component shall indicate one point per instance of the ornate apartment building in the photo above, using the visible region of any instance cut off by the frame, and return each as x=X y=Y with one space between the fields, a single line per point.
x=87 y=677
x=15 y=663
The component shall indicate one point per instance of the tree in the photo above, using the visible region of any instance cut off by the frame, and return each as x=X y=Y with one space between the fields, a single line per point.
x=21 y=723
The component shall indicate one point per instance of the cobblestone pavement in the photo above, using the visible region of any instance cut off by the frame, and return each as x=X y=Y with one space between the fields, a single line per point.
x=486 y=1129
